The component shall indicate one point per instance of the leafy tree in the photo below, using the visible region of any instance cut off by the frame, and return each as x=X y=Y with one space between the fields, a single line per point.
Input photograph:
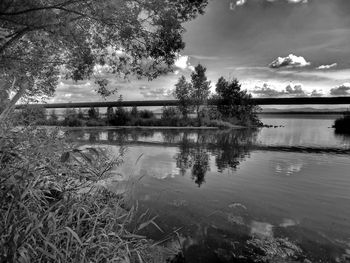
x=121 y=115
x=134 y=112
x=80 y=114
x=182 y=93
x=234 y=103
x=41 y=41
x=53 y=118
x=93 y=113
x=200 y=87
x=110 y=115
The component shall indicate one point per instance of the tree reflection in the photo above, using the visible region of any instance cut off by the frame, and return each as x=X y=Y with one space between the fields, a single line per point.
x=228 y=148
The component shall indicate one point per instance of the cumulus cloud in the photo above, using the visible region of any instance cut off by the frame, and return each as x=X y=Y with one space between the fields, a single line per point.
x=241 y=2
x=316 y=93
x=327 y=66
x=267 y=90
x=296 y=90
x=342 y=90
x=156 y=93
x=182 y=63
x=291 y=61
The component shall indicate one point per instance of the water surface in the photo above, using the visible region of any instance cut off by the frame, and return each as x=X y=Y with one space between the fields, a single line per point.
x=222 y=194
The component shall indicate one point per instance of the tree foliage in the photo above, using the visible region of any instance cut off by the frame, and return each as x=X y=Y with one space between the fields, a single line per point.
x=200 y=87
x=234 y=103
x=43 y=40
x=182 y=93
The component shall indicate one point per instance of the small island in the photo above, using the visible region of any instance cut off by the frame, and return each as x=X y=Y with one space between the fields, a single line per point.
x=228 y=107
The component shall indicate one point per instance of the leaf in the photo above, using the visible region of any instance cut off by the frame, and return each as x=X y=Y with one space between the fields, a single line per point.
x=65 y=157
x=74 y=234
x=151 y=221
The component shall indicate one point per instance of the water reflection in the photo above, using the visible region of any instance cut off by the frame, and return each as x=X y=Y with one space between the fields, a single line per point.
x=195 y=149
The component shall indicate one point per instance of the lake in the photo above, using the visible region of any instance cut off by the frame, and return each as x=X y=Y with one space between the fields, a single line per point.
x=270 y=195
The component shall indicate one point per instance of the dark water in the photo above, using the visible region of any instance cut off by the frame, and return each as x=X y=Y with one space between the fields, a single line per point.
x=269 y=195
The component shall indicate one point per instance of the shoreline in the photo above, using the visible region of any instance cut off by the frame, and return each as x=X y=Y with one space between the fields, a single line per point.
x=142 y=127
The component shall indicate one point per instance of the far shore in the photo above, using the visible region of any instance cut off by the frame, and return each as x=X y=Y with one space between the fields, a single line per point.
x=143 y=127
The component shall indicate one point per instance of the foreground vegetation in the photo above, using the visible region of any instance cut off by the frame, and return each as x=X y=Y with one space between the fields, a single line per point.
x=53 y=207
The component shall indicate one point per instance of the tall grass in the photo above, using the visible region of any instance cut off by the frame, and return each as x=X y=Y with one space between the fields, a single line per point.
x=52 y=207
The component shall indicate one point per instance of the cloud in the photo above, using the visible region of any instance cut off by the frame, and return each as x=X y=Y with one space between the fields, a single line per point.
x=182 y=63
x=157 y=93
x=316 y=93
x=327 y=66
x=291 y=61
x=240 y=2
x=270 y=91
x=296 y=90
x=266 y=91
x=342 y=90
x=298 y=1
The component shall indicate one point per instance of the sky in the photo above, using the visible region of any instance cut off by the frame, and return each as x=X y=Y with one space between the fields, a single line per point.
x=275 y=48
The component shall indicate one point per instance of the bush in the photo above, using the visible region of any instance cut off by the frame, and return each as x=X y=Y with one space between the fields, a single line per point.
x=342 y=125
x=170 y=116
x=93 y=113
x=52 y=208
x=146 y=114
x=33 y=115
x=71 y=119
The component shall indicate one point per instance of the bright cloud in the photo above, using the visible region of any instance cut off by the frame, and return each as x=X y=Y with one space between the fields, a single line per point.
x=183 y=63
x=267 y=90
x=342 y=90
x=156 y=93
x=290 y=61
x=241 y=2
x=316 y=93
x=298 y=1
x=327 y=66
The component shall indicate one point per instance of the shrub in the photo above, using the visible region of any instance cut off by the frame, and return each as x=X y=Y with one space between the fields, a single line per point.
x=134 y=113
x=122 y=117
x=71 y=119
x=342 y=125
x=170 y=116
x=146 y=114
x=52 y=208
x=95 y=122
x=34 y=115
x=93 y=113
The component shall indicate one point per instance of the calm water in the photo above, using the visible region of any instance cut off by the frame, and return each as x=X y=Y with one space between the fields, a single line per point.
x=219 y=195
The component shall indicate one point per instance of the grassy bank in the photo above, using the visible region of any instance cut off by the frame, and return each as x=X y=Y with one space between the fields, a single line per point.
x=54 y=207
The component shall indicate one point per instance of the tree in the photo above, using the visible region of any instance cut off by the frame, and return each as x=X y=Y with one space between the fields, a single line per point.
x=93 y=113
x=41 y=41
x=182 y=93
x=200 y=87
x=234 y=103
